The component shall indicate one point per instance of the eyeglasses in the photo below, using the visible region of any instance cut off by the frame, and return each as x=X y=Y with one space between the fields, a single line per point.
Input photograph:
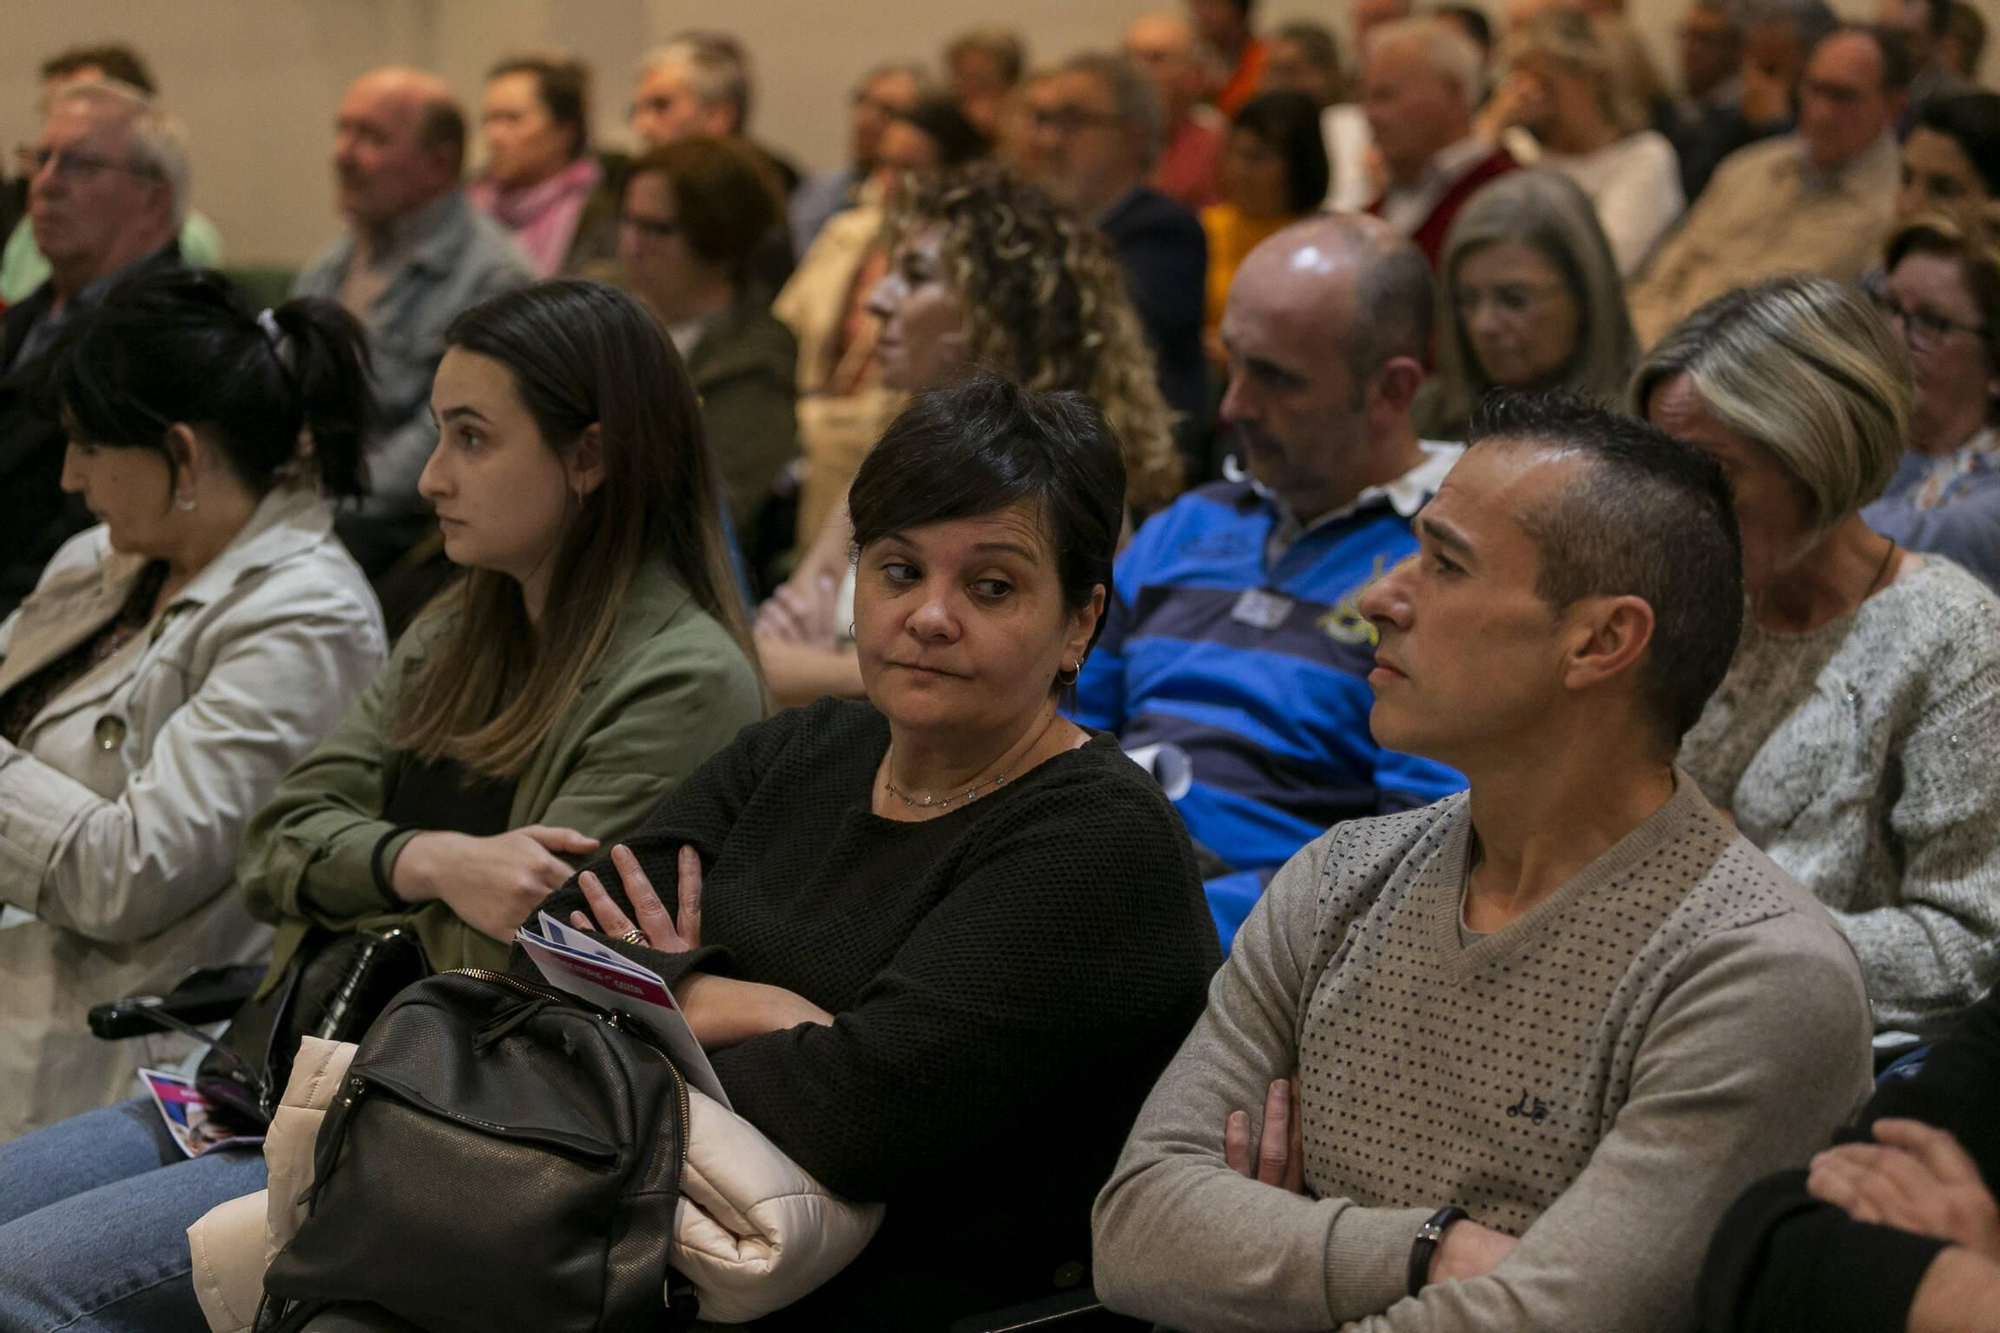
x=660 y=227
x=1510 y=299
x=1922 y=329
x=73 y=165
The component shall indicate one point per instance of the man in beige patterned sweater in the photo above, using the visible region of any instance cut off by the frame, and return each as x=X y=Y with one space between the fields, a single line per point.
x=1501 y=1063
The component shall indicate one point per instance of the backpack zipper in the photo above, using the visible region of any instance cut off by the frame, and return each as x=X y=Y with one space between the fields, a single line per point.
x=615 y=1021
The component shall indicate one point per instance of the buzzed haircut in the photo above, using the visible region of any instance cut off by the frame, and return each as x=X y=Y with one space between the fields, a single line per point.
x=117 y=61
x=1394 y=302
x=1645 y=516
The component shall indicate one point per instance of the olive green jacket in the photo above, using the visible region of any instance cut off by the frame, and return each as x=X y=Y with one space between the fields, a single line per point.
x=671 y=689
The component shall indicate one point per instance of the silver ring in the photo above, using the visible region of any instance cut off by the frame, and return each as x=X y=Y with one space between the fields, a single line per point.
x=635 y=936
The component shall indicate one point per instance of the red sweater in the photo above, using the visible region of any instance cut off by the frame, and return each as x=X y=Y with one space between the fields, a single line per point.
x=1430 y=236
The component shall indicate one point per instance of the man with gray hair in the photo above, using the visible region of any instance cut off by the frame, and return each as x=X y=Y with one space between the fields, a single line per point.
x=1094 y=132
x=416 y=253
x=1816 y=201
x=1164 y=45
x=107 y=193
x=1419 y=84
x=698 y=85
x=1233 y=660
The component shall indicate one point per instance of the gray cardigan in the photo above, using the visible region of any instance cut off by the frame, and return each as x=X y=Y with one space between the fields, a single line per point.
x=1861 y=758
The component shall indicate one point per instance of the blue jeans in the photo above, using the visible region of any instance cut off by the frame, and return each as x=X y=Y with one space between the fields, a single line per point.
x=94 y=1213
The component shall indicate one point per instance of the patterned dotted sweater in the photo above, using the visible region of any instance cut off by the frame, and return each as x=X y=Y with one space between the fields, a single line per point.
x=1861 y=757
x=1600 y=1078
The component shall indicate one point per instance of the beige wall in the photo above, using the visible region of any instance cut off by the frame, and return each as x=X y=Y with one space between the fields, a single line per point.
x=257 y=80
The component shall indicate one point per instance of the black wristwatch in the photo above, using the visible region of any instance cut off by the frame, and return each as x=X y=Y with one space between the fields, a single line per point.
x=1428 y=1237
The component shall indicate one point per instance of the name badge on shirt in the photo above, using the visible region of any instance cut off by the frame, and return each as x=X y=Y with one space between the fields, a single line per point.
x=1260 y=609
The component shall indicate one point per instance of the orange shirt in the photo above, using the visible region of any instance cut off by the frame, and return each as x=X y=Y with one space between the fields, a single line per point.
x=1231 y=238
x=1242 y=83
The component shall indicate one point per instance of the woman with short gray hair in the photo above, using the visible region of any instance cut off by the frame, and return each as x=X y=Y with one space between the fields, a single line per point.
x=1853 y=737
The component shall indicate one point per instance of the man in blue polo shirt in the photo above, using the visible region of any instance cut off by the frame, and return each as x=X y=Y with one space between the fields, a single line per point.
x=1234 y=659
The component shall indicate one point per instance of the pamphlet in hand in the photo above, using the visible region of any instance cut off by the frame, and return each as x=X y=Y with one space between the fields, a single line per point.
x=593 y=972
x=189 y=1117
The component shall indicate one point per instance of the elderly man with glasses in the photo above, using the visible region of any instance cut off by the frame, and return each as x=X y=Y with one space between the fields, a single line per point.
x=107 y=193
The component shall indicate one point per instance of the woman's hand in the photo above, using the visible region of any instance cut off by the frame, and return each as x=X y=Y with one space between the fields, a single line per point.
x=1520 y=99
x=1280 y=1158
x=802 y=612
x=491 y=884
x=655 y=927
x=1915 y=1178
x=720 y=1010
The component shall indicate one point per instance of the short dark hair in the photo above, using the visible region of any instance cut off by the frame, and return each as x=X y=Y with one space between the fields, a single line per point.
x=1938 y=24
x=1471 y=18
x=1395 y=306
x=1972 y=121
x=1316 y=43
x=958 y=140
x=563 y=85
x=984 y=444
x=1288 y=123
x=724 y=195
x=441 y=125
x=1898 y=65
x=1970 y=29
x=1647 y=516
x=186 y=346
x=117 y=60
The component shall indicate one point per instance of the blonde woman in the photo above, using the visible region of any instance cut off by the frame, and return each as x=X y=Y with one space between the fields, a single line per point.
x=986 y=272
x=1855 y=735
x=592 y=657
x=1569 y=90
x=1528 y=299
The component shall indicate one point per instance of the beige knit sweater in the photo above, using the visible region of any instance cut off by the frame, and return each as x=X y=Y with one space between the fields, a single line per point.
x=1861 y=756
x=1601 y=1078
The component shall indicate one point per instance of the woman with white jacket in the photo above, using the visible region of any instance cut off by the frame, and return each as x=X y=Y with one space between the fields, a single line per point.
x=173 y=662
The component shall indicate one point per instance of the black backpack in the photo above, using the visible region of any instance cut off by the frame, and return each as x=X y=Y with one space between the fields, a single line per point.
x=502 y=1156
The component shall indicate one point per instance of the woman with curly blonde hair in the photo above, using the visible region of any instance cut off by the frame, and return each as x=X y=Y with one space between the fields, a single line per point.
x=986 y=273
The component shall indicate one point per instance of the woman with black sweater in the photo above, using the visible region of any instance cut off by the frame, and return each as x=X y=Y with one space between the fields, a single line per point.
x=940 y=943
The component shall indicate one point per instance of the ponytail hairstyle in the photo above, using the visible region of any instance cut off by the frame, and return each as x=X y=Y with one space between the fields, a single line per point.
x=581 y=354
x=281 y=394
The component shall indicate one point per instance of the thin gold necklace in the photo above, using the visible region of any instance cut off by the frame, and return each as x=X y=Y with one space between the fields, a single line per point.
x=970 y=794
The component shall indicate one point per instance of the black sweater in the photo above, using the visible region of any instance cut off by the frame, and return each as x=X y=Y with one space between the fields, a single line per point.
x=1007 y=982
x=1783 y=1262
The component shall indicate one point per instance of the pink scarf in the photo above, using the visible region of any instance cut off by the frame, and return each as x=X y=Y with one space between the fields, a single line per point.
x=541 y=217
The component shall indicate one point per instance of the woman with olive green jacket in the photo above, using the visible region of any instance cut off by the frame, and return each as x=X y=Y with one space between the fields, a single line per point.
x=671 y=688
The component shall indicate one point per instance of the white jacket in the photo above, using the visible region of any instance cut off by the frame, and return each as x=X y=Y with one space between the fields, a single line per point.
x=122 y=806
